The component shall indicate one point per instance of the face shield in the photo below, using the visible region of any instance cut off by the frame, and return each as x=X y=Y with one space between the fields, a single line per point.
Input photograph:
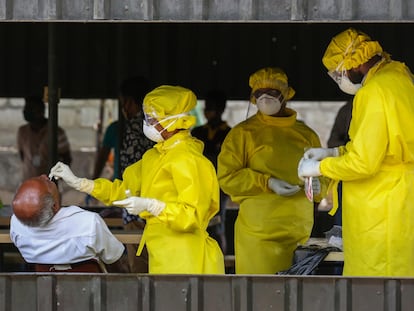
x=151 y=120
x=336 y=75
x=344 y=83
x=150 y=123
x=268 y=101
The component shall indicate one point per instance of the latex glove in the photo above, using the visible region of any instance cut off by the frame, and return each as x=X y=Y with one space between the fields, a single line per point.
x=319 y=154
x=136 y=205
x=61 y=170
x=313 y=189
x=316 y=186
x=282 y=187
x=308 y=168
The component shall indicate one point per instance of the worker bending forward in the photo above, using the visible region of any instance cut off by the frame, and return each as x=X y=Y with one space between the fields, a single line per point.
x=376 y=166
x=173 y=187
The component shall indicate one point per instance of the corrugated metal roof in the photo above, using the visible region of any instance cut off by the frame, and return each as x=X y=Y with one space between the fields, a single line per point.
x=207 y=10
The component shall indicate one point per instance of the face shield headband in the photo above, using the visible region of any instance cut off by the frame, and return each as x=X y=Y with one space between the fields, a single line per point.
x=151 y=121
x=338 y=72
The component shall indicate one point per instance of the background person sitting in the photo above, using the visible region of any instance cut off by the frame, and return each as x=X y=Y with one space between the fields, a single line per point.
x=69 y=239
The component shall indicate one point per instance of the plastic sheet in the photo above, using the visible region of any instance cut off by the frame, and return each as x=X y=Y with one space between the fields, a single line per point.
x=310 y=262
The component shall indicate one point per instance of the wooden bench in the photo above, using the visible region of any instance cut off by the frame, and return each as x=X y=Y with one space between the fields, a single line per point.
x=5 y=221
x=10 y=253
x=124 y=236
x=111 y=222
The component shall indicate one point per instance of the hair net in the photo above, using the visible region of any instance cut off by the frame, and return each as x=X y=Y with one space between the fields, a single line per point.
x=349 y=49
x=166 y=101
x=272 y=78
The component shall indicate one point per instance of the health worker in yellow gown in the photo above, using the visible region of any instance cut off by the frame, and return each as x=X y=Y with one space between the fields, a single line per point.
x=173 y=187
x=257 y=167
x=376 y=166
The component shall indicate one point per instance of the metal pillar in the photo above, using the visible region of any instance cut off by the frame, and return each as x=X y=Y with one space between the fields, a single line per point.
x=52 y=94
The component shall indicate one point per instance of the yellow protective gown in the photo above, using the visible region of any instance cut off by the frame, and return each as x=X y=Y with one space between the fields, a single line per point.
x=377 y=170
x=268 y=227
x=174 y=172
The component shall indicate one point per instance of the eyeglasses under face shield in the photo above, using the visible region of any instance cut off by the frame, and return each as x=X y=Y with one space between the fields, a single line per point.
x=150 y=120
x=336 y=75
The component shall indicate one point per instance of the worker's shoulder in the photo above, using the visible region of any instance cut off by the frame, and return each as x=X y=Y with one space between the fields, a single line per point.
x=301 y=126
x=250 y=124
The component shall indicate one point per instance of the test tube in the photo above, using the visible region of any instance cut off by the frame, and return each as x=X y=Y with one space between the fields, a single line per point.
x=128 y=193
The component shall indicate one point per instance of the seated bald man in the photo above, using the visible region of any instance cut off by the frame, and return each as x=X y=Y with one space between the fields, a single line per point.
x=55 y=238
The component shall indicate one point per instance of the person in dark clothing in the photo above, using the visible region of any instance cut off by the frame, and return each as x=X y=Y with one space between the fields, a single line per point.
x=339 y=137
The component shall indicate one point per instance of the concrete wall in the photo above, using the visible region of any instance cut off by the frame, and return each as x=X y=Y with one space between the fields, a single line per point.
x=79 y=118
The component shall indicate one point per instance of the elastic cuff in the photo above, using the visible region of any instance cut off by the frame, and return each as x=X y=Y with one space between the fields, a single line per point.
x=86 y=185
x=156 y=207
x=336 y=152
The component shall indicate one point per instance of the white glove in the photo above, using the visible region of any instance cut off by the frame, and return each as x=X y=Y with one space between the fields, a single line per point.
x=282 y=187
x=136 y=205
x=61 y=170
x=319 y=154
x=308 y=168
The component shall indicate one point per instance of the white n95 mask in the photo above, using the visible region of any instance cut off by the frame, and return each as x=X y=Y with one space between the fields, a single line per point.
x=341 y=78
x=268 y=105
x=347 y=86
x=151 y=133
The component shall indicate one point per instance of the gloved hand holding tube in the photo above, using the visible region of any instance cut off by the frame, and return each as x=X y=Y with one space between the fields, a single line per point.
x=312 y=187
x=319 y=154
x=282 y=187
x=61 y=170
x=308 y=168
x=136 y=205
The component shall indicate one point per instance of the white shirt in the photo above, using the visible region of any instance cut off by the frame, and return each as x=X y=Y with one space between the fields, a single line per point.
x=71 y=236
